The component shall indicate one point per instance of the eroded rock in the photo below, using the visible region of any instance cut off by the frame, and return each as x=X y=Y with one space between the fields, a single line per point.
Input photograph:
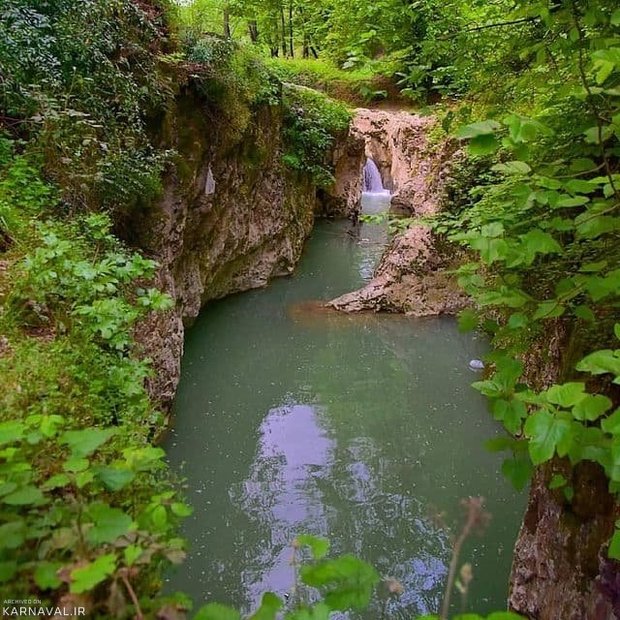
x=412 y=274
x=249 y=227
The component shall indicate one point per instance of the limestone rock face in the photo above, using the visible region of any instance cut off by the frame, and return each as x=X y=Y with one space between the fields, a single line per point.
x=231 y=218
x=398 y=144
x=411 y=276
x=560 y=567
x=348 y=157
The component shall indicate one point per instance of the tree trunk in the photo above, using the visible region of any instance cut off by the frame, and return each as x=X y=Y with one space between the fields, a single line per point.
x=253 y=30
x=227 y=21
x=291 y=44
x=283 y=33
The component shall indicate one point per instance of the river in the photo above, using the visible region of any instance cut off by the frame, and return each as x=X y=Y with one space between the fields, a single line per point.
x=362 y=429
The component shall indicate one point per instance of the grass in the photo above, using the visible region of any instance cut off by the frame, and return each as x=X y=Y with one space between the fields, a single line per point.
x=357 y=87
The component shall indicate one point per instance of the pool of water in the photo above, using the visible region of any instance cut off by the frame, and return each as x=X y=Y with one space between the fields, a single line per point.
x=363 y=429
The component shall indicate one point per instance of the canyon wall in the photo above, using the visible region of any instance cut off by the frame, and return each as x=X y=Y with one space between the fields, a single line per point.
x=231 y=217
x=560 y=566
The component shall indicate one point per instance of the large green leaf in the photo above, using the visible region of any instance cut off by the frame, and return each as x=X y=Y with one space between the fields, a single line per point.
x=566 y=394
x=601 y=362
x=592 y=407
x=318 y=546
x=84 y=442
x=511 y=413
x=481 y=128
x=108 y=523
x=347 y=581
x=87 y=577
x=269 y=607
x=546 y=432
x=25 y=496
x=518 y=471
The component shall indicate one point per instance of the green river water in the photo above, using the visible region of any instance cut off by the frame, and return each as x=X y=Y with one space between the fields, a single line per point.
x=361 y=429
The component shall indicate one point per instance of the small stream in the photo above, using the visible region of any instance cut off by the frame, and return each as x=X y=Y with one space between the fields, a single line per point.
x=363 y=429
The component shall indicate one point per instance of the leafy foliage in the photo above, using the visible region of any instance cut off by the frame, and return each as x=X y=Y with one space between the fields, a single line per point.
x=543 y=236
x=84 y=78
x=312 y=121
x=84 y=496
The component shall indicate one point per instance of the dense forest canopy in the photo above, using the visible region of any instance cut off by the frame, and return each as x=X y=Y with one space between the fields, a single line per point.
x=531 y=87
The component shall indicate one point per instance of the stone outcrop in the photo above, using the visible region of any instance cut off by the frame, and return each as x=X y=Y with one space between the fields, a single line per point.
x=560 y=567
x=398 y=144
x=231 y=217
x=348 y=157
x=412 y=275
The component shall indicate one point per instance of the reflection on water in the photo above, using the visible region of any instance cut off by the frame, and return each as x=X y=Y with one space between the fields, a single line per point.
x=362 y=429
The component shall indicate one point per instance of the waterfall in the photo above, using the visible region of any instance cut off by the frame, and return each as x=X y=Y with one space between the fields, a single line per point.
x=372 y=178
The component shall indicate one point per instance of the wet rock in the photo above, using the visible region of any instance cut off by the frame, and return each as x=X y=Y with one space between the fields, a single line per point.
x=412 y=274
x=342 y=199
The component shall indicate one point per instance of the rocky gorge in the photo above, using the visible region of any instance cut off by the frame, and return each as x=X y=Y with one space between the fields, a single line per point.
x=233 y=217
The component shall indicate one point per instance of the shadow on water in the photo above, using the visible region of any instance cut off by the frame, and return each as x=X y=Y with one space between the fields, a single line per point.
x=363 y=430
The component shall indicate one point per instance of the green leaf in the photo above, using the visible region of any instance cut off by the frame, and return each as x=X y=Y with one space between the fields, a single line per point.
x=511 y=413
x=545 y=432
x=114 y=478
x=11 y=431
x=491 y=249
x=591 y=227
x=76 y=465
x=318 y=546
x=269 y=607
x=600 y=362
x=592 y=407
x=159 y=518
x=12 y=534
x=501 y=443
x=24 y=497
x=131 y=553
x=566 y=394
x=181 y=510
x=8 y=570
x=215 y=611
x=523 y=129
x=483 y=145
x=548 y=310
x=513 y=167
x=481 y=128
x=320 y=611
x=557 y=481
x=518 y=471
x=109 y=523
x=504 y=615
x=585 y=313
x=536 y=241
x=614 y=546
x=84 y=442
x=517 y=320
x=46 y=575
x=347 y=581
x=611 y=424
x=87 y=577
x=56 y=481
x=572 y=201
x=467 y=320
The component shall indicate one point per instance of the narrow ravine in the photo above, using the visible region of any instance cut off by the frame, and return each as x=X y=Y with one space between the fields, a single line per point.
x=363 y=429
